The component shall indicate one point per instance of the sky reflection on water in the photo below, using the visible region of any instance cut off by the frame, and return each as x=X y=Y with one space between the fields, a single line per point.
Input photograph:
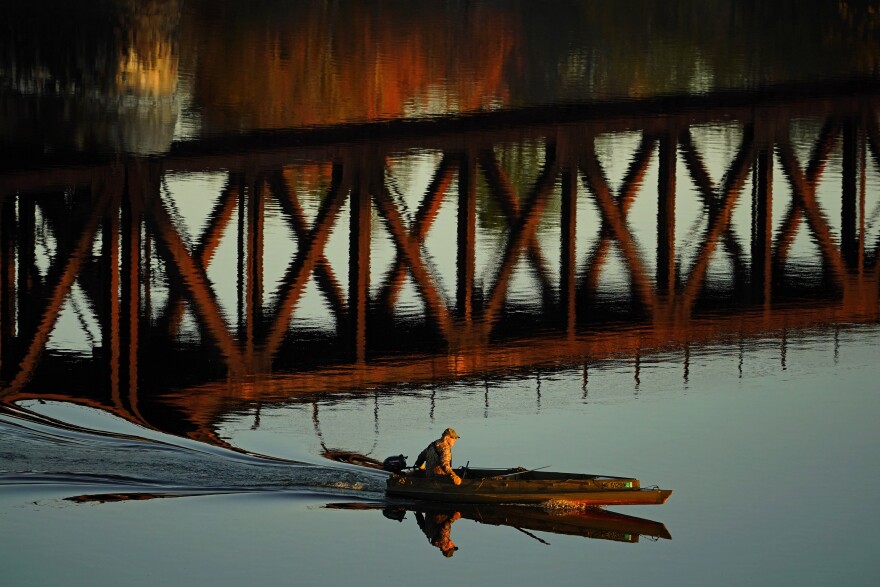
x=769 y=471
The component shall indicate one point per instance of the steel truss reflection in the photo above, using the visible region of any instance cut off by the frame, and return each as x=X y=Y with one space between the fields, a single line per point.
x=109 y=221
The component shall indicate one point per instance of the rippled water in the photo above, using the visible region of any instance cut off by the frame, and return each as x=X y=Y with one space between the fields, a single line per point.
x=50 y=450
x=636 y=240
x=771 y=476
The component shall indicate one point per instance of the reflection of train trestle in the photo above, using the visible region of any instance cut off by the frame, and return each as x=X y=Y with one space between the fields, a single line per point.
x=109 y=229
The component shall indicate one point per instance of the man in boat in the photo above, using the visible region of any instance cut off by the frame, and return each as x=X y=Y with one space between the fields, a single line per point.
x=437 y=457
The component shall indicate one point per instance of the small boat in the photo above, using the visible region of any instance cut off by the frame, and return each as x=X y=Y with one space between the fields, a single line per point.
x=508 y=486
x=520 y=486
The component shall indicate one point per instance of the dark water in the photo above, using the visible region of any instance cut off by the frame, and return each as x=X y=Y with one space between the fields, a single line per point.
x=636 y=240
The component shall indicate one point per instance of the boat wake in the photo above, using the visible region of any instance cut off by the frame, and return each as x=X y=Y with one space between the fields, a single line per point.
x=90 y=465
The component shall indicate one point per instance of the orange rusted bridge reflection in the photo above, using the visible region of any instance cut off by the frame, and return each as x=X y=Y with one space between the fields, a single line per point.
x=111 y=233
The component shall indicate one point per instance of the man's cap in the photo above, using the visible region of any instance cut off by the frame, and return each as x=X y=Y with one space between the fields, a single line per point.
x=451 y=432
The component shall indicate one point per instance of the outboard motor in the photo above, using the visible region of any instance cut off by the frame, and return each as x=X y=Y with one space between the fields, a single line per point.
x=396 y=514
x=394 y=464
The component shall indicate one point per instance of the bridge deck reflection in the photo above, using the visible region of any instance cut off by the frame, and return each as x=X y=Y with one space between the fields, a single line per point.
x=111 y=231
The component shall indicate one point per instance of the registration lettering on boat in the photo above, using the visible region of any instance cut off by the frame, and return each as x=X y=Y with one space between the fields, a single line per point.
x=617 y=484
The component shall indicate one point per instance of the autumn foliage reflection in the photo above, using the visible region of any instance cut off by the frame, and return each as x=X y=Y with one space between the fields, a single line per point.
x=365 y=62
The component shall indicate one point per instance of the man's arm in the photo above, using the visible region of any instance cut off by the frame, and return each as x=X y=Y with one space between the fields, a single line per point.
x=420 y=460
x=446 y=464
x=446 y=460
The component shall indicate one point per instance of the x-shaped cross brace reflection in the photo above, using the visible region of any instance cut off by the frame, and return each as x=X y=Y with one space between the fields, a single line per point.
x=629 y=188
x=307 y=259
x=521 y=235
x=63 y=273
x=707 y=191
x=408 y=241
x=409 y=252
x=720 y=217
x=614 y=218
x=505 y=194
x=324 y=276
x=808 y=182
x=195 y=279
x=207 y=244
x=425 y=216
x=804 y=197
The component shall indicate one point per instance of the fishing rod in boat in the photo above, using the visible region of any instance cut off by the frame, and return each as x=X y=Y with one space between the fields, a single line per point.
x=524 y=471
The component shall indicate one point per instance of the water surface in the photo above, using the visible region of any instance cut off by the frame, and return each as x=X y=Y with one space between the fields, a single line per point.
x=595 y=238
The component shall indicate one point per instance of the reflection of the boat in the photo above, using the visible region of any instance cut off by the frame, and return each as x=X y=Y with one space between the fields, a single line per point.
x=587 y=522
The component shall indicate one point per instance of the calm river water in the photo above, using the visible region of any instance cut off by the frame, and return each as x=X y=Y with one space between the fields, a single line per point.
x=638 y=240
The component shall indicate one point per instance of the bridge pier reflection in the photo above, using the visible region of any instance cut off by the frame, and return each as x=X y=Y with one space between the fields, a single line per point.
x=105 y=243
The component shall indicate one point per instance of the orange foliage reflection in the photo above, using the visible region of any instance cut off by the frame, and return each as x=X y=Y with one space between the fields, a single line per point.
x=372 y=62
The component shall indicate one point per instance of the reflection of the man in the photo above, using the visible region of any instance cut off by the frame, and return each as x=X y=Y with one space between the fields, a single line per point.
x=436 y=520
x=436 y=527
